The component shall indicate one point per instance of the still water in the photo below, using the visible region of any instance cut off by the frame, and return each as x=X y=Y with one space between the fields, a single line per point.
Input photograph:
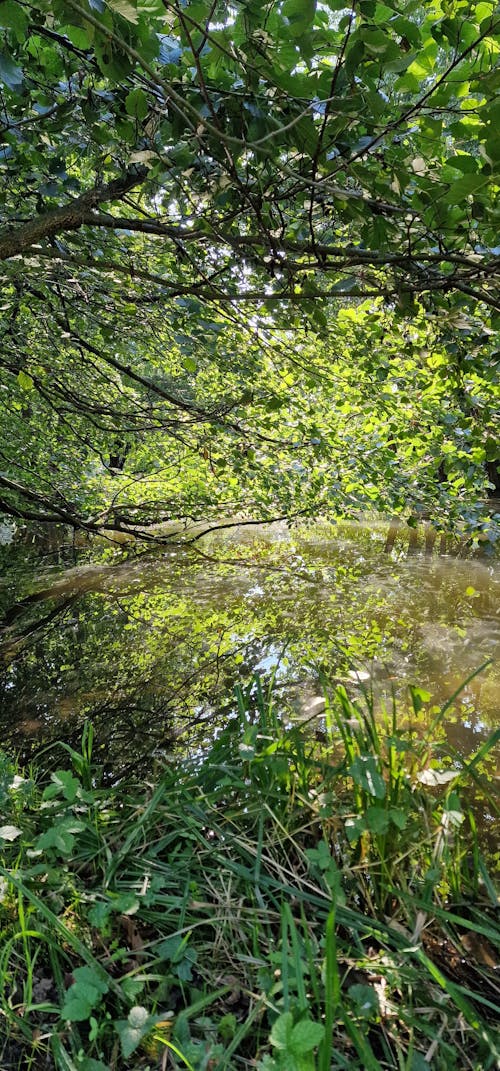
x=150 y=648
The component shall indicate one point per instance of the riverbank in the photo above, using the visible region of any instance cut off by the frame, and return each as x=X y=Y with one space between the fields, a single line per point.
x=287 y=901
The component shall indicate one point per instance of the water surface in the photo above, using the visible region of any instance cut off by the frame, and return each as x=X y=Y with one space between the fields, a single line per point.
x=151 y=649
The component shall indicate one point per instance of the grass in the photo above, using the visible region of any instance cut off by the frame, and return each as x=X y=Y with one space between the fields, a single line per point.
x=281 y=903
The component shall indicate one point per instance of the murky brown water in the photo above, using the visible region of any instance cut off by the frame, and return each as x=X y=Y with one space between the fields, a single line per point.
x=151 y=649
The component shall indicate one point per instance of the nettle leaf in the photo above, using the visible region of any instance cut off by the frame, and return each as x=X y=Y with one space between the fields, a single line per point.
x=377 y=820
x=123 y=903
x=60 y=836
x=78 y=996
x=91 y=976
x=63 y=782
x=76 y=1009
x=136 y=104
x=365 y=773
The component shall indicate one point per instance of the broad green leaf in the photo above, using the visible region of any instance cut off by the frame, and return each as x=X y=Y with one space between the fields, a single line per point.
x=300 y=14
x=365 y=773
x=91 y=976
x=82 y=991
x=79 y=37
x=25 y=381
x=63 y=783
x=465 y=186
x=12 y=16
x=377 y=820
x=190 y=364
x=281 y=1032
x=305 y=1036
x=76 y=1009
x=136 y=104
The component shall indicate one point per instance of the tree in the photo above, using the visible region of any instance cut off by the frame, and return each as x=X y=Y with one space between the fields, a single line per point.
x=194 y=190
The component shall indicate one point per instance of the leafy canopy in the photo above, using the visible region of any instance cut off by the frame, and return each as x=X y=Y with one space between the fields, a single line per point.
x=195 y=194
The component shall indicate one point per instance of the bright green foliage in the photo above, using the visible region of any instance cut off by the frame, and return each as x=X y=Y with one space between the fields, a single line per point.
x=249 y=257
x=293 y=1044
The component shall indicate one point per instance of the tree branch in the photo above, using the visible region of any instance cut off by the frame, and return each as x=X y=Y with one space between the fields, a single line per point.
x=70 y=217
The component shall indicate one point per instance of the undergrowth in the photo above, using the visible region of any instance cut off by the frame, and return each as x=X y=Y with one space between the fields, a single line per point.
x=281 y=903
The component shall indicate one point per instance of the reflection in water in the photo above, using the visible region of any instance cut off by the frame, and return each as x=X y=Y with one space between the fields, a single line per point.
x=150 y=648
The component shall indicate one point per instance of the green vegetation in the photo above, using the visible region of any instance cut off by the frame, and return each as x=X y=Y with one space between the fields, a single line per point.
x=248 y=272
x=249 y=260
x=280 y=903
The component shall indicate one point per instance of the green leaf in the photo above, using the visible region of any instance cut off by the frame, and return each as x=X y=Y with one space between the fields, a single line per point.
x=281 y=1032
x=88 y=994
x=79 y=37
x=190 y=364
x=63 y=782
x=398 y=817
x=91 y=976
x=305 y=1036
x=14 y=18
x=464 y=186
x=136 y=104
x=365 y=999
x=25 y=381
x=10 y=75
x=124 y=8
x=377 y=820
x=418 y=697
x=60 y=836
x=76 y=1009
x=344 y=286
x=300 y=15
x=354 y=828
x=365 y=773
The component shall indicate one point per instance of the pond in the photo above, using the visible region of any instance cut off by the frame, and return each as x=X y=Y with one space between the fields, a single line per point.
x=150 y=648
